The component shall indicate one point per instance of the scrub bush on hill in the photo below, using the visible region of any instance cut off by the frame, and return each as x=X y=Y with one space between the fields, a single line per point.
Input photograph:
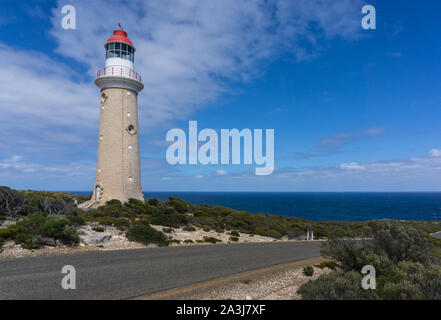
x=147 y=235
x=404 y=259
x=180 y=205
x=31 y=231
x=14 y=204
x=336 y=286
x=308 y=271
x=176 y=213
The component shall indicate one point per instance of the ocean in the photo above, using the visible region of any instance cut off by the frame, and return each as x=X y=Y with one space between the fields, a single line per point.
x=321 y=206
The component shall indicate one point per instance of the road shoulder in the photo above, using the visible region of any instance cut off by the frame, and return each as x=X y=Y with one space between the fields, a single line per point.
x=279 y=282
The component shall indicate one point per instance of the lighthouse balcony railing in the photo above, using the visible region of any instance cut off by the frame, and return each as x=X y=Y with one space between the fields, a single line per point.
x=119 y=72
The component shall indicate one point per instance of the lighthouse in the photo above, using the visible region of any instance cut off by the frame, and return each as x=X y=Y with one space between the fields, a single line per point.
x=118 y=173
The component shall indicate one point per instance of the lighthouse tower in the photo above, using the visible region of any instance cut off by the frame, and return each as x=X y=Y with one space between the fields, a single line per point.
x=118 y=174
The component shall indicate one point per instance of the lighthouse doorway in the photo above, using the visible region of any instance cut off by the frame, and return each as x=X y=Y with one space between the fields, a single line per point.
x=97 y=193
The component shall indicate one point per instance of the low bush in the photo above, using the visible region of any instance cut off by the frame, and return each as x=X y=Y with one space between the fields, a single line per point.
x=328 y=264
x=234 y=239
x=32 y=230
x=308 y=271
x=188 y=241
x=189 y=228
x=403 y=257
x=180 y=205
x=147 y=235
x=337 y=286
x=211 y=240
x=75 y=220
x=235 y=234
x=98 y=229
x=167 y=230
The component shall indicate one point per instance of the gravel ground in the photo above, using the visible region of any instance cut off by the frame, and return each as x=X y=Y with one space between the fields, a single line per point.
x=274 y=283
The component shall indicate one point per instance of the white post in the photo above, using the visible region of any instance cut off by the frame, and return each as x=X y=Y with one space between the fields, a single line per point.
x=312 y=235
x=307 y=235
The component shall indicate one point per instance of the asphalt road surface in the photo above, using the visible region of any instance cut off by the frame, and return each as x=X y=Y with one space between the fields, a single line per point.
x=126 y=274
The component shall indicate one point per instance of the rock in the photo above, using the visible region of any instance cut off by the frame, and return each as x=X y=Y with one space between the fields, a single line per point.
x=48 y=242
x=91 y=237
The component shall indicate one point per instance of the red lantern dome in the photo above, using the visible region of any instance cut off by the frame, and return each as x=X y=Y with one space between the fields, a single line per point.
x=119 y=36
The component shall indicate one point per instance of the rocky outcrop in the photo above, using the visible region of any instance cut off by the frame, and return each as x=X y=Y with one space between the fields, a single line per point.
x=88 y=236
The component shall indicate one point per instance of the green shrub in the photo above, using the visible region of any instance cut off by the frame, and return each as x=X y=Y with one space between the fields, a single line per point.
x=154 y=202
x=146 y=235
x=189 y=228
x=76 y=220
x=137 y=206
x=270 y=233
x=7 y=233
x=219 y=229
x=235 y=234
x=308 y=271
x=144 y=220
x=167 y=230
x=336 y=286
x=31 y=230
x=406 y=267
x=188 y=241
x=120 y=223
x=98 y=229
x=180 y=205
x=234 y=239
x=169 y=217
x=411 y=281
x=328 y=264
x=206 y=229
x=211 y=240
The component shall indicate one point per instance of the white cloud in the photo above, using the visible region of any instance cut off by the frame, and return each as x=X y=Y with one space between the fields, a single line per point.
x=41 y=105
x=191 y=52
x=351 y=166
x=435 y=153
x=188 y=52
x=221 y=172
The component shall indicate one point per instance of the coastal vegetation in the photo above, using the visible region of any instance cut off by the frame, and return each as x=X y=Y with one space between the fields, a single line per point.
x=34 y=211
x=407 y=263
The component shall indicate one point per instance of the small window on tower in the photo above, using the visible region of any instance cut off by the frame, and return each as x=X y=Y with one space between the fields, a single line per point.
x=130 y=147
x=130 y=179
x=131 y=129
x=117 y=46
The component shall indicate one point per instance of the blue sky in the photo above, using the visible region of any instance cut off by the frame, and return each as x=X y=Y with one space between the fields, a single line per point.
x=352 y=109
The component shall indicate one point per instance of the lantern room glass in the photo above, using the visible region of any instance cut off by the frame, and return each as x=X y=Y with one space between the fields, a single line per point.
x=120 y=50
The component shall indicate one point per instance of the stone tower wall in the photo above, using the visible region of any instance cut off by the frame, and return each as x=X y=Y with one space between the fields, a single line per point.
x=118 y=164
